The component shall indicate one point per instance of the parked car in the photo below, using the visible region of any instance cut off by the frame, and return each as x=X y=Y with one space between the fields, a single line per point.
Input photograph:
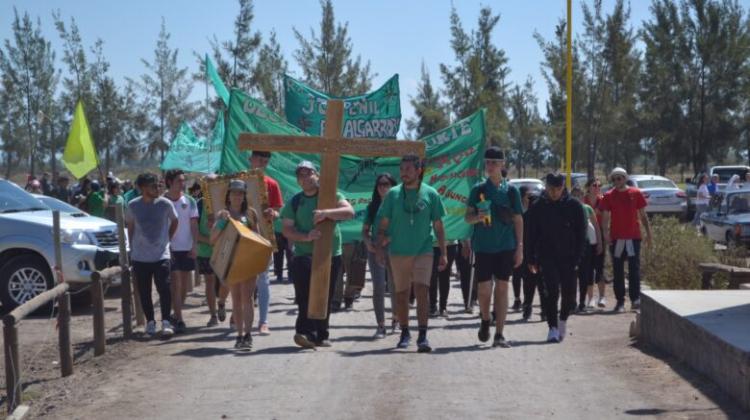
x=724 y=173
x=535 y=186
x=576 y=178
x=61 y=206
x=27 y=249
x=662 y=195
x=729 y=223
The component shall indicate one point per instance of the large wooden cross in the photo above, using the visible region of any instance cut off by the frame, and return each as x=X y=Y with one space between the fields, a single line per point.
x=331 y=146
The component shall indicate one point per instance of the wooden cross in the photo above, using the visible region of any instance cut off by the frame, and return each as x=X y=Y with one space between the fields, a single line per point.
x=331 y=146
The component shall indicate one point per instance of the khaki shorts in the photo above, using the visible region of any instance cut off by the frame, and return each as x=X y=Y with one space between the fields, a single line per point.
x=411 y=269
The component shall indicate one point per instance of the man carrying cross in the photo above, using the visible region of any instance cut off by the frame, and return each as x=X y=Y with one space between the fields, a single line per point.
x=300 y=217
x=409 y=213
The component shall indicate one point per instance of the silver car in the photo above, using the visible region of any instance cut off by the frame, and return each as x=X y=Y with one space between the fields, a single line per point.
x=535 y=186
x=27 y=251
x=662 y=195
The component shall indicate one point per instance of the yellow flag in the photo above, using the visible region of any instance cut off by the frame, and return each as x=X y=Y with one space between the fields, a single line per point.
x=79 y=155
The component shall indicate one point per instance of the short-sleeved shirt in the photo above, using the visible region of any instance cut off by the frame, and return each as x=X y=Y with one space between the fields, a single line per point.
x=204 y=250
x=150 y=241
x=187 y=210
x=303 y=222
x=95 y=204
x=275 y=201
x=623 y=207
x=497 y=236
x=410 y=214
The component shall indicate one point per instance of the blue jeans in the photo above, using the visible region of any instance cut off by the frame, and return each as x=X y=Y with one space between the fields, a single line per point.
x=634 y=273
x=379 y=276
x=264 y=297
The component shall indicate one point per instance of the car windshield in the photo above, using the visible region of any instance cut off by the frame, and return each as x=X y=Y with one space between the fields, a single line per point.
x=726 y=173
x=738 y=203
x=655 y=183
x=13 y=199
x=58 y=205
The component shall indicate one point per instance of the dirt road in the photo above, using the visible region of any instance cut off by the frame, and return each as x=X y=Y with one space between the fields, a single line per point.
x=597 y=373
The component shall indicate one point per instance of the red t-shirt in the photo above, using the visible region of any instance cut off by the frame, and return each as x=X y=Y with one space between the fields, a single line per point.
x=274 y=193
x=624 y=206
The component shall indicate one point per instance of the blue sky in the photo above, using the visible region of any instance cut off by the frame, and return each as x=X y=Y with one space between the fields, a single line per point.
x=395 y=36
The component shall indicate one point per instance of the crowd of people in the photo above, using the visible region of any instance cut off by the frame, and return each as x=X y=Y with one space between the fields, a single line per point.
x=554 y=243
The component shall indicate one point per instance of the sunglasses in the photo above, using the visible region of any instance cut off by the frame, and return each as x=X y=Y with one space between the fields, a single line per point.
x=596 y=185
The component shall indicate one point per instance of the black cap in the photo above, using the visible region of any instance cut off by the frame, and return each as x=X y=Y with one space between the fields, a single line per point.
x=494 y=152
x=554 y=180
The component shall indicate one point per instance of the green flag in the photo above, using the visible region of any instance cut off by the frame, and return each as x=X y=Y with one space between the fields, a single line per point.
x=219 y=86
x=191 y=153
x=80 y=156
x=454 y=162
x=374 y=115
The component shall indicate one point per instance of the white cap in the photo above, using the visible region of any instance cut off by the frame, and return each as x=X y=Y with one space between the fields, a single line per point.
x=618 y=171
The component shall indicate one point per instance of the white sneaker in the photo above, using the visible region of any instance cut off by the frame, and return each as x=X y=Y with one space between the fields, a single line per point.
x=166 y=329
x=562 y=329
x=602 y=302
x=151 y=328
x=553 y=336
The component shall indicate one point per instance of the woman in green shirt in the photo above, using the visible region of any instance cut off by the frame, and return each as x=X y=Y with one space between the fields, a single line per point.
x=594 y=248
x=242 y=293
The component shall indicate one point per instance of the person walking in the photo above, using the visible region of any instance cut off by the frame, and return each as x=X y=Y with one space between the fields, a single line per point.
x=591 y=250
x=702 y=199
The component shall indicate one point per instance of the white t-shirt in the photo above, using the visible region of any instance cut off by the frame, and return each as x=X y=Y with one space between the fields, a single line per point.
x=187 y=210
x=703 y=197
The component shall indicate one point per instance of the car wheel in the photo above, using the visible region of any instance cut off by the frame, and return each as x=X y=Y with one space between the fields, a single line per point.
x=21 y=279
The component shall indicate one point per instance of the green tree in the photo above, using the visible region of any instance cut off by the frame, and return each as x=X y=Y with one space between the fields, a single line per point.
x=27 y=66
x=268 y=75
x=166 y=89
x=237 y=66
x=478 y=78
x=327 y=60
x=430 y=114
x=527 y=145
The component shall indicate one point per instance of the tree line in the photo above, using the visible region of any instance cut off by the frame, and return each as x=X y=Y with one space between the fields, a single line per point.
x=673 y=92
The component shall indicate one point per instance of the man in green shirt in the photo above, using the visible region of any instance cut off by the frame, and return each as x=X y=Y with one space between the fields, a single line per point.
x=409 y=214
x=299 y=217
x=96 y=200
x=494 y=208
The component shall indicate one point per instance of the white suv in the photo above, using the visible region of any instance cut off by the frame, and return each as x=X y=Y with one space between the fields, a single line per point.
x=27 y=255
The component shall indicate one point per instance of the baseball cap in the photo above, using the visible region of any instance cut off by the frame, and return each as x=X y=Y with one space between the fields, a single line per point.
x=237 y=185
x=305 y=164
x=554 y=180
x=618 y=171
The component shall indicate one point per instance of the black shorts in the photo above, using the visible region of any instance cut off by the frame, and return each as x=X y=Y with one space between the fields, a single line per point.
x=182 y=262
x=204 y=266
x=497 y=264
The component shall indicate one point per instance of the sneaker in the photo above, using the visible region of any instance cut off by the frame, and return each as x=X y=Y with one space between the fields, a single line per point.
x=443 y=313
x=323 y=343
x=423 y=345
x=238 y=343
x=619 y=308
x=500 y=341
x=380 y=333
x=247 y=343
x=484 y=331
x=590 y=304
x=562 y=329
x=264 y=330
x=516 y=305
x=335 y=306
x=469 y=310
x=303 y=341
x=151 y=328
x=212 y=322
x=166 y=329
x=348 y=303
x=602 y=303
x=180 y=327
x=433 y=312
x=527 y=312
x=222 y=312
x=405 y=339
x=581 y=309
x=636 y=305
x=553 y=336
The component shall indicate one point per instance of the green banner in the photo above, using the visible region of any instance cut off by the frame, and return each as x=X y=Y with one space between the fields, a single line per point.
x=219 y=86
x=454 y=162
x=373 y=115
x=191 y=153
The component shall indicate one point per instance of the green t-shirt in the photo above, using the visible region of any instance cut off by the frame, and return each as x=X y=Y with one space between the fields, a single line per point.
x=410 y=214
x=303 y=222
x=204 y=250
x=587 y=212
x=498 y=236
x=95 y=203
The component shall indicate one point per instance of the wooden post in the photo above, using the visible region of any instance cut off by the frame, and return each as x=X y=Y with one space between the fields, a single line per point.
x=12 y=364
x=126 y=284
x=63 y=324
x=97 y=301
